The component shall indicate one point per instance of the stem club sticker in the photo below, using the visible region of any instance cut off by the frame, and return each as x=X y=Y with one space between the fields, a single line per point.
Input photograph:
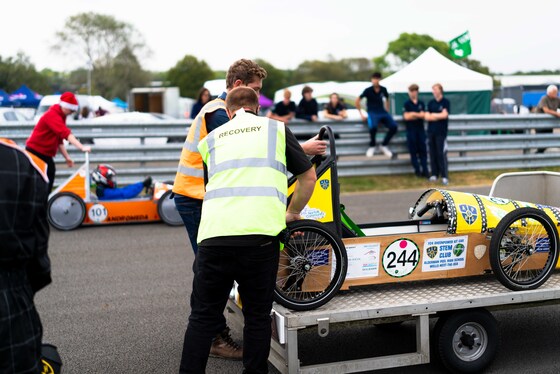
x=401 y=258
x=97 y=213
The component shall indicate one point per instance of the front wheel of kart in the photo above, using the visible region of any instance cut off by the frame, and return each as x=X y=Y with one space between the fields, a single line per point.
x=312 y=266
x=524 y=249
x=66 y=211
x=168 y=211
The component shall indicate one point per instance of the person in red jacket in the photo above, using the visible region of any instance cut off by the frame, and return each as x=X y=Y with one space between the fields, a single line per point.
x=47 y=136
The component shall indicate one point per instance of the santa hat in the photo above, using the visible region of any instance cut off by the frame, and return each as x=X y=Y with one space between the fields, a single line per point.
x=68 y=101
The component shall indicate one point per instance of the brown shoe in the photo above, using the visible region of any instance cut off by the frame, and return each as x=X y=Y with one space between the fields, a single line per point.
x=223 y=346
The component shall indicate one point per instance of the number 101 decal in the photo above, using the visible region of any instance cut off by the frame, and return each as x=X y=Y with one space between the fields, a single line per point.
x=401 y=258
x=97 y=213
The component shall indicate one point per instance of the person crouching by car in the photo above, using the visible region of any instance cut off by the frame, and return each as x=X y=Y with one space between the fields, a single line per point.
x=105 y=178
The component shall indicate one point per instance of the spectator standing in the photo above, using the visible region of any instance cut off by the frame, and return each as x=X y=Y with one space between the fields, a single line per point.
x=335 y=109
x=236 y=243
x=47 y=136
x=548 y=104
x=378 y=111
x=437 y=115
x=308 y=108
x=413 y=114
x=24 y=262
x=283 y=110
x=203 y=98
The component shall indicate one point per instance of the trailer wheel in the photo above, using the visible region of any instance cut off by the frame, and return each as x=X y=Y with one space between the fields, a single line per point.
x=524 y=249
x=312 y=266
x=467 y=341
x=66 y=211
x=168 y=211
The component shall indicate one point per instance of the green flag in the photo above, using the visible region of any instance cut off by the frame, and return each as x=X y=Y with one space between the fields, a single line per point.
x=460 y=47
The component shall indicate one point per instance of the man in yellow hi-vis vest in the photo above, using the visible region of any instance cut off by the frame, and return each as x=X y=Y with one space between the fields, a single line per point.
x=243 y=213
x=189 y=184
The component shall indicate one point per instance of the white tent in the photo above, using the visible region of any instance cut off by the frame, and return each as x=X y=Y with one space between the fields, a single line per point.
x=430 y=68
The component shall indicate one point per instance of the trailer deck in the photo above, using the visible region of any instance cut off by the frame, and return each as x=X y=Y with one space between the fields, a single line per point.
x=398 y=301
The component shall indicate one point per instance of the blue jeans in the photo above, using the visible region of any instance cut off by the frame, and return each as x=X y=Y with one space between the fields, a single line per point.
x=373 y=121
x=190 y=210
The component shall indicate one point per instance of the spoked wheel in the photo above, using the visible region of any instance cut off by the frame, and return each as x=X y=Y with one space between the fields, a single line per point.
x=66 y=211
x=168 y=211
x=312 y=266
x=524 y=249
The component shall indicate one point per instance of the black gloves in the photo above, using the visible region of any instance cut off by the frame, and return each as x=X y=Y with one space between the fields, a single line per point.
x=148 y=182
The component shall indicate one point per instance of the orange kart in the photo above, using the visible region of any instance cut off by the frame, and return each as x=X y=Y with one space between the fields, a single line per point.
x=73 y=204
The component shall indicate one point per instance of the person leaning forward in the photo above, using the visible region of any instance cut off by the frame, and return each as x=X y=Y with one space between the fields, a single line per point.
x=243 y=213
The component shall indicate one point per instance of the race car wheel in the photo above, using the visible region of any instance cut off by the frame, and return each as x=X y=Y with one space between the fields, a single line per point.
x=66 y=211
x=524 y=249
x=312 y=266
x=168 y=211
x=466 y=341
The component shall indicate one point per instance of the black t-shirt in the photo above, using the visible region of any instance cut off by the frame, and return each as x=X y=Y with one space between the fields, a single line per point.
x=409 y=106
x=375 y=99
x=296 y=163
x=438 y=107
x=307 y=108
x=281 y=109
x=336 y=109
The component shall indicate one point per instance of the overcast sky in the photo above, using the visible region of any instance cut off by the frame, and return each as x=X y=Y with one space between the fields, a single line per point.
x=506 y=36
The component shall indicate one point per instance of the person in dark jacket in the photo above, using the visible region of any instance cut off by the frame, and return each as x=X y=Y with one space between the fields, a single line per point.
x=308 y=108
x=24 y=262
x=203 y=98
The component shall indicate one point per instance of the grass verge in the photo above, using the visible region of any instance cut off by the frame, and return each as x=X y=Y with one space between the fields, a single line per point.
x=409 y=181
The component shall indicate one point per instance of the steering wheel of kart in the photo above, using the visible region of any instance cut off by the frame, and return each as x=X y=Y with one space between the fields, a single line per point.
x=317 y=159
x=438 y=207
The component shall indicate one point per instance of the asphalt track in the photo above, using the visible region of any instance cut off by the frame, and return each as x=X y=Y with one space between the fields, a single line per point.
x=119 y=304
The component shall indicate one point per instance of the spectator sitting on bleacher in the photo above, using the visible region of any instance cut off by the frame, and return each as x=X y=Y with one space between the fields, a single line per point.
x=308 y=108
x=283 y=110
x=105 y=178
x=548 y=104
x=335 y=109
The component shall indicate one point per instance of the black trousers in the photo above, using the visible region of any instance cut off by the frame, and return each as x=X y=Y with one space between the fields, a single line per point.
x=216 y=267
x=51 y=168
x=20 y=326
x=437 y=147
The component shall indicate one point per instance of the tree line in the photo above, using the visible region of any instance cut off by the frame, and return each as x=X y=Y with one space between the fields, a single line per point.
x=113 y=49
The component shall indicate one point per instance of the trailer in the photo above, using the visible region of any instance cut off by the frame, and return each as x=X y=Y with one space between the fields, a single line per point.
x=465 y=337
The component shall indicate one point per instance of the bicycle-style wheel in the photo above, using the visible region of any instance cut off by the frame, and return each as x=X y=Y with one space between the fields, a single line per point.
x=524 y=249
x=312 y=266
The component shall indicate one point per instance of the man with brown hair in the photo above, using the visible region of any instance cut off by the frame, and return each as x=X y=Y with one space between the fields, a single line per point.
x=243 y=214
x=437 y=115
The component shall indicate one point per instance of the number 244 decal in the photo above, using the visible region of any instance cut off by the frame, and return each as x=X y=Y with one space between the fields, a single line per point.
x=401 y=258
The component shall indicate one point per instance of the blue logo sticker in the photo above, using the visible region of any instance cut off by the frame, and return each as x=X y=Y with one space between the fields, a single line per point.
x=324 y=183
x=469 y=213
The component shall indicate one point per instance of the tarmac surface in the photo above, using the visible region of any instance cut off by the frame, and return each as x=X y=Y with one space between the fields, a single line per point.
x=119 y=304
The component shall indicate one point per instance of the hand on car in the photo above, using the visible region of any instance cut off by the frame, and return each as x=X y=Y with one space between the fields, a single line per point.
x=314 y=146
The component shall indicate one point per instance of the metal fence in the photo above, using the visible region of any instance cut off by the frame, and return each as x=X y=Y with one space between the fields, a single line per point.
x=475 y=142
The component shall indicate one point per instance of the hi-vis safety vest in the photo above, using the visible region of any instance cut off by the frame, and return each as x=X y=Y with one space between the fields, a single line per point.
x=247 y=188
x=36 y=162
x=189 y=180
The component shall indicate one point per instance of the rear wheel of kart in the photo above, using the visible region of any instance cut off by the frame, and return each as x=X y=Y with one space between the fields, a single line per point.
x=168 y=211
x=66 y=211
x=312 y=266
x=524 y=249
x=466 y=341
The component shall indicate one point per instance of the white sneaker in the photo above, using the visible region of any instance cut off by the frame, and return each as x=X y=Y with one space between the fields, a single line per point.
x=370 y=152
x=433 y=178
x=386 y=151
x=444 y=181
